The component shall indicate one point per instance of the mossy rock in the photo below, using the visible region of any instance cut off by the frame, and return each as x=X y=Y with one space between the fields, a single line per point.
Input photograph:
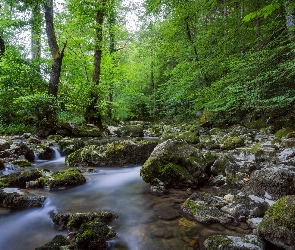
x=87 y=131
x=68 y=146
x=189 y=137
x=225 y=242
x=21 y=163
x=175 y=163
x=4 y=145
x=278 y=224
x=290 y=135
x=16 y=200
x=44 y=152
x=56 y=138
x=19 y=179
x=93 y=235
x=232 y=143
x=57 y=243
x=284 y=132
x=130 y=130
x=62 y=179
x=117 y=153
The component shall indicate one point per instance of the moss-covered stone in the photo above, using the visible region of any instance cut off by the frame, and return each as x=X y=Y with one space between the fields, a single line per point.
x=189 y=137
x=86 y=131
x=57 y=243
x=117 y=153
x=232 y=143
x=68 y=146
x=21 y=163
x=130 y=130
x=284 y=132
x=62 y=179
x=278 y=224
x=56 y=138
x=17 y=200
x=44 y=152
x=175 y=163
x=225 y=242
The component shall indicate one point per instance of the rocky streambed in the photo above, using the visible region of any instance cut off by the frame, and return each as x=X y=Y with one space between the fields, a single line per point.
x=205 y=188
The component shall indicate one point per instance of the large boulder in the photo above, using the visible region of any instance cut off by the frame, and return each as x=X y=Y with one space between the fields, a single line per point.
x=4 y=145
x=68 y=146
x=225 y=242
x=117 y=153
x=88 y=130
x=176 y=164
x=274 y=182
x=278 y=224
x=130 y=130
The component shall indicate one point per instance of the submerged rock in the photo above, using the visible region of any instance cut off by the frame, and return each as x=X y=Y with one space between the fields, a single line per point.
x=278 y=224
x=225 y=242
x=176 y=164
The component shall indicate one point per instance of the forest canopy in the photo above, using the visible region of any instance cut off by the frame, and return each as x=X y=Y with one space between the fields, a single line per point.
x=216 y=62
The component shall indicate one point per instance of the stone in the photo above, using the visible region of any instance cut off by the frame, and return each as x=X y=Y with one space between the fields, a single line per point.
x=176 y=164
x=248 y=242
x=4 y=145
x=278 y=224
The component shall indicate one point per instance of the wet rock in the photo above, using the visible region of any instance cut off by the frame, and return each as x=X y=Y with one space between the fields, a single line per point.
x=248 y=242
x=4 y=145
x=278 y=224
x=188 y=136
x=58 y=242
x=68 y=146
x=88 y=130
x=2 y=166
x=62 y=179
x=55 y=138
x=89 y=230
x=20 y=164
x=17 y=200
x=166 y=211
x=117 y=153
x=75 y=220
x=206 y=208
x=254 y=222
x=130 y=130
x=176 y=164
x=18 y=149
x=275 y=181
x=232 y=143
x=242 y=207
x=44 y=152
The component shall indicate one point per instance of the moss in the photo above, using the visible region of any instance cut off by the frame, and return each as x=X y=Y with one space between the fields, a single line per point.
x=219 y=242
x=232 y=143
x=280 y=213
x=74 y=158
x=290 y=135
x=56 y=138
x=68 y=146
x=68 y=178
x=255 y=148
x=57 y=243
x=283 y=132
x=191 y=205
x=21 y=163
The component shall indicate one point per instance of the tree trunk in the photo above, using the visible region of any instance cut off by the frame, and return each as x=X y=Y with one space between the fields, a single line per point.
x=36 y=26
x=92 y=114
x=57 y=56
x=290 y=20
x=2 y=47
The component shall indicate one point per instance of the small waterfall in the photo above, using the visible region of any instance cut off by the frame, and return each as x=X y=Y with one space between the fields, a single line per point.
x=57 y=153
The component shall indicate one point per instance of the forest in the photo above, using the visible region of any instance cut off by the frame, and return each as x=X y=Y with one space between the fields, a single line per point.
x=211 y=62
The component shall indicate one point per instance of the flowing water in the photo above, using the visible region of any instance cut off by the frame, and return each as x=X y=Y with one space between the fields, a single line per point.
x=117 y=189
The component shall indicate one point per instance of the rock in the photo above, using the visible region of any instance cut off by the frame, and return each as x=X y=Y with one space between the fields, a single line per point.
x=20 y=164
x=22 y=149
x=92 y=230
x=254 y=222
x=166 y=211
x=117 y=153
x=205 y=208
x=44 y=152
x=130 y=130
x=62 y=179
x=58 y=242
x=275 y=181
x=188 y=136
x=232 y=143
x=4 y=145
x=2 y=166
x=176 y=164
x=88 y=130
x=248 y=242
x=16 y=200
x=56 y=138
x=68 y=146
x=278 y=224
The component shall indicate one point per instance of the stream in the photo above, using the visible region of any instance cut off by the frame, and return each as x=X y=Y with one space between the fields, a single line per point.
x=121 y=190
